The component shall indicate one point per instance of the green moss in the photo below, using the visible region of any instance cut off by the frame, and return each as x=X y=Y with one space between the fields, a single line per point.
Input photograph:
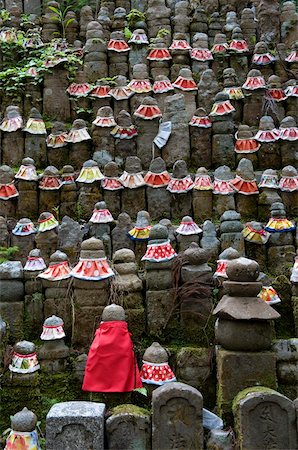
x=242 y=394
x=285 y=325
x=130 y=409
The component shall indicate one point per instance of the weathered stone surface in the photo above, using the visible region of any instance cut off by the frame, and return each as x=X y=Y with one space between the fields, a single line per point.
x=265 y=418
x=255 y=336
x=177 y=417
x=257 y=368
x=129 y=429
x=79 y=422
x=159 y=306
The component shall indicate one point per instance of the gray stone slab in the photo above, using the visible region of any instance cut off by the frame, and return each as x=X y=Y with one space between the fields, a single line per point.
x=265 y=419
x=75 y=426
x=177 y=417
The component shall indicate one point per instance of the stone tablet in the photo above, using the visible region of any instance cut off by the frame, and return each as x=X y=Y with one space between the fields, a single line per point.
x=265 y=419
x=129 y=428
x=75 y=426
x=177 y=417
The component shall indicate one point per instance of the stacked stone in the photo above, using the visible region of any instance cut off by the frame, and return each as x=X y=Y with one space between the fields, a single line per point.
x=160 y=298
x=249 y=27
x=12 y=137
x=215 y=27
x=56 y=292
x=147 y=130
x=220 y=54
x=53 y=353
x=181 y=22
x=119 y=19
x=33 y=291
x=158 y=197
x=223 y=134
x=35 y=139
x=289 y=21
x=134 y=194
x=288 y=141
x=275 y=99
x=56 y=104
x=46 y=238
x=246 y=189
x=50 y=27
x=201 y=62
x=9 y=193
x=181 y=195
x=269 y=193
x=269 y=153
x=253 y=103
x=289 y=189
x=70 y=235
x=138 y=49
x=255 y=239
x=12 y=297
x=68 y=195
x=223 y=199
x=89 y=189
x=231 y=23
x=209 y=239
x=199 y=23
x=100 y=226
x=281 y=251
x=22 y=377
x=120 y=236
x=268 y=21
x=95 y=58
x=187 y=233
x=140 y=85
x=125 y=134
x=241 y=313
x=112 y=196
x=232 y=88
x=27 y=188
x=91 y=292
x=195 y=311
x=200 y=139
x=231 y=232
x=202 y=202
x=178 y=145
x=23 y=237
x=159 y=65
x=49 y=189
x=105 y=21
x=118 y=61
x=72 y=28
x=128 y=288
x=101 y=131
x=207 y=89
x=158 y=17
x=57 y=149
x=86 y=16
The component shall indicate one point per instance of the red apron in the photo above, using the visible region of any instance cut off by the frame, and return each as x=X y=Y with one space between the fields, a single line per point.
x=111 y=364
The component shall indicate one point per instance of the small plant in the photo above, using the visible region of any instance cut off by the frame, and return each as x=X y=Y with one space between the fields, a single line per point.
x=135 y=16
x=7 y=254
x=60 y=17
x=4 y=16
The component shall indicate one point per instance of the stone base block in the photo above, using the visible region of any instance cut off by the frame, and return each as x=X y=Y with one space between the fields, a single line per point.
x=79 y=422
x=136 y=321
x=159 y=307
x=239 y=370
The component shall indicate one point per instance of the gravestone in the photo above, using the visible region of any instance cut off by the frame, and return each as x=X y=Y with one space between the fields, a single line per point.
x=129 y=427
x=177 y=417
x=75 y=426
x=265 y=419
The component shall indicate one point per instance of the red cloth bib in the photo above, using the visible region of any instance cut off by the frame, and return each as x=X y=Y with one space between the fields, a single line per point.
x=111 y=364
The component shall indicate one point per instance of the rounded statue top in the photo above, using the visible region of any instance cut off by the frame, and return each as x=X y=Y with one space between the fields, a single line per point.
x=266 y=123
x=288 y=122
x=53 y=321
x=24 y=421
x=90 y=163
x=229 y=253
x=111 y=169
x=124 y=255
x=24 y=347
x=100 y=205
x=78 y=124
x=124 y=119
x=92 y=244
x=244 y=132
x=158 y=231
x=243 y=269
x=143 y=219
x=185 y=73
x=196 y=255
x=51 y=171
x=289 y=171
x=105 y=111
x=113 y=313
x=157 y=165
x=180 y=169
x=155 y=354
x=58 y=256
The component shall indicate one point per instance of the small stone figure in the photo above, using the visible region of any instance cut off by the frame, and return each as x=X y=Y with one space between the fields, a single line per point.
x=155 y=369
x=111 y=364
x=58 y=268
x=53 y=353
x=24 y=358
x=23 y=434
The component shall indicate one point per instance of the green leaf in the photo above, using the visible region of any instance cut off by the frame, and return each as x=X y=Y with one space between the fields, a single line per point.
x=142 y=391
x=55 y=10
x=68 y=22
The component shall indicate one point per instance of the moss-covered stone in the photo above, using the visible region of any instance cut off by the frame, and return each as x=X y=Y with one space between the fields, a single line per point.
x=130 y=409
x=285 y=326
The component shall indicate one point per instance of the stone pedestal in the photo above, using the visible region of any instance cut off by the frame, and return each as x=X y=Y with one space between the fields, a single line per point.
x=202 y=205
x=257 y=368
x=264 y=419
x=183 y=404
x=28 y=199
x=82 y=422
x=15 y=141
x=57 y=301
x=90 y=298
